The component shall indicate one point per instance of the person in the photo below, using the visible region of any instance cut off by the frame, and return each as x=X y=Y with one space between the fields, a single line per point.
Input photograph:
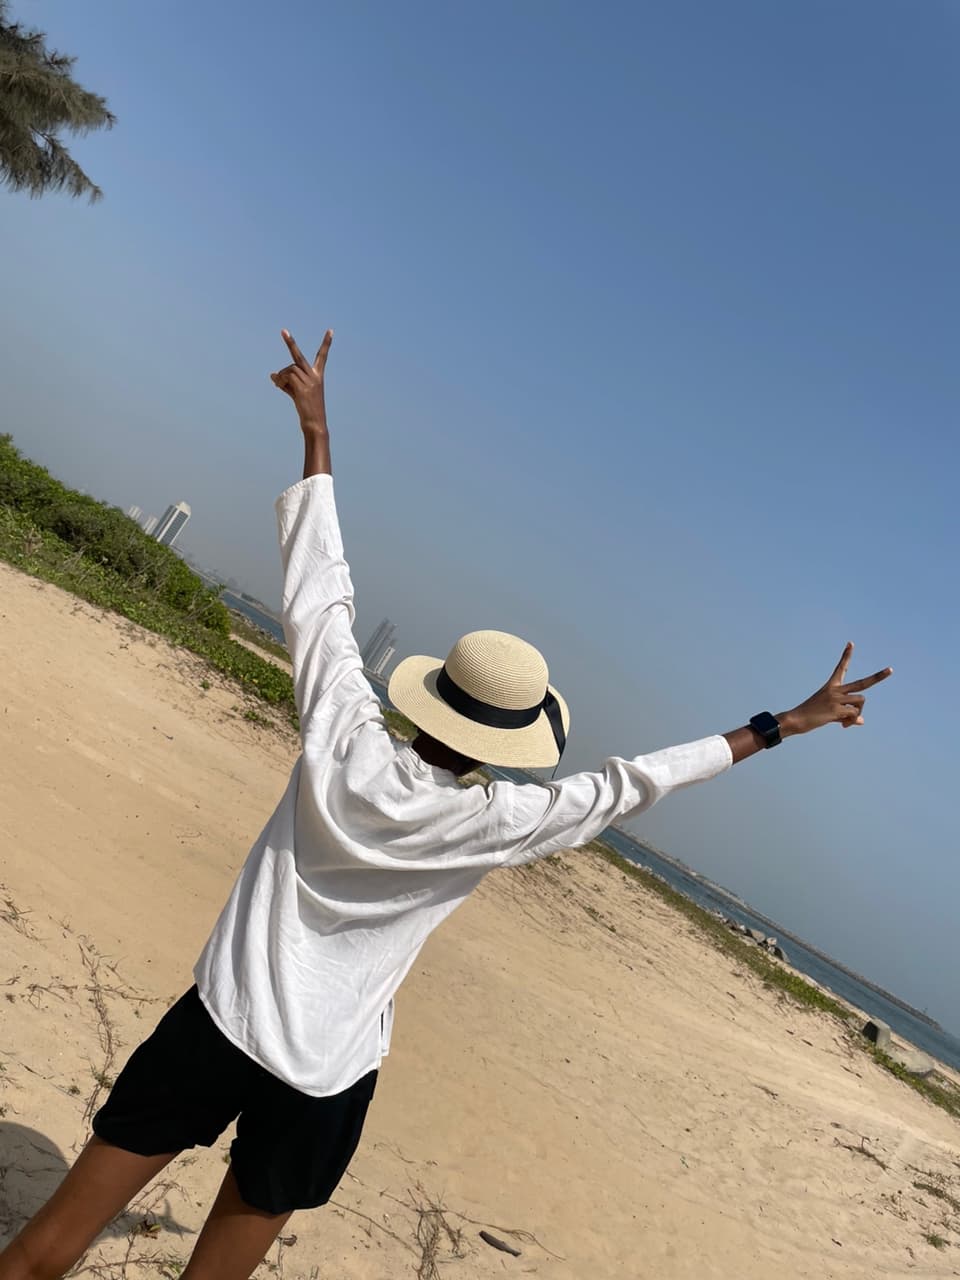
x=371 y=847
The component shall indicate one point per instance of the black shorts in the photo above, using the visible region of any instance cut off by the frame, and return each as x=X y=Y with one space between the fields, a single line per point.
x=187 y=1082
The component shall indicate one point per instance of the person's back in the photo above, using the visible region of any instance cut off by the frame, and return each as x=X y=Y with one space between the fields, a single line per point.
x=372 y=846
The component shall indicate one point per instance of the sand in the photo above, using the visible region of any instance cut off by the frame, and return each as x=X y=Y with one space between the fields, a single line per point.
x=574 y=1068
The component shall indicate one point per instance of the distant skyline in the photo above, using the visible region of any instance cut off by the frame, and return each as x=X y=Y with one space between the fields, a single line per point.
x=646 y=350
x=166 y=528
x=172 y=523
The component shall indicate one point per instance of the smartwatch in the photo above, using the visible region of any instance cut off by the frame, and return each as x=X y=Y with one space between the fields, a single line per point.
x=768 y=727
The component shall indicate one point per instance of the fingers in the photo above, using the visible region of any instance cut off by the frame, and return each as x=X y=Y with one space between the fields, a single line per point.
x=298 y=357
x=868 y=681
x=288 y=379
x=851 y=710
x=320 y=363
x=852 y=706
x=840 y=670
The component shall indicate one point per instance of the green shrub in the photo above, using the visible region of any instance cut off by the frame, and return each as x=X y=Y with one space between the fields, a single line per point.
x=106 y=535
x=98 y=553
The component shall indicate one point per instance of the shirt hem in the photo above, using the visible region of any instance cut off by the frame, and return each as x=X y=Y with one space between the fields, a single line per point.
x=300 y=1088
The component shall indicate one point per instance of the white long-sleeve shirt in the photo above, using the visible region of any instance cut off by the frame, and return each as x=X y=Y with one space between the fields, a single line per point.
x=370 y=847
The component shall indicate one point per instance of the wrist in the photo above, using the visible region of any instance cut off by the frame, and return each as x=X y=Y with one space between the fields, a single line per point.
x=316 y=453
x=314 y=429
x=788 y=724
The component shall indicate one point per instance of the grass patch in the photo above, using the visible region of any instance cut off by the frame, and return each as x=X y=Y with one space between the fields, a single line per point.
x=255 y=717
x=244 y=629
x=936 y=1241
x=771 y=974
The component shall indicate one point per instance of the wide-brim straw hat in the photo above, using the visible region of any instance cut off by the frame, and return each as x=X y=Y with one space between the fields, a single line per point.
x=491 y=701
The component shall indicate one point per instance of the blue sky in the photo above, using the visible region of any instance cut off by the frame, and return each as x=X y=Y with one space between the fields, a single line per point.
x=646 y=328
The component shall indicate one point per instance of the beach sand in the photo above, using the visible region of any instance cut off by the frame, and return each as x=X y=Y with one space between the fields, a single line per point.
x=574 y=1068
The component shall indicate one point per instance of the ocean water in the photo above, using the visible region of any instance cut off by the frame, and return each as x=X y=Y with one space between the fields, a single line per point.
x=256 y=616
x=938 y=1043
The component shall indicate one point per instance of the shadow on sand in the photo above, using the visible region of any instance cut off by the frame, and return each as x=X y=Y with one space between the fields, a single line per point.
x=31 y=1169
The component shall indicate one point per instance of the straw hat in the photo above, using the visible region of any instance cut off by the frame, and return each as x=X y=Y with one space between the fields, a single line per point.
x=490 y=701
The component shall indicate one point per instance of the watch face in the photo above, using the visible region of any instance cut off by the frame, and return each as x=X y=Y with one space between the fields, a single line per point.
x=768 y=726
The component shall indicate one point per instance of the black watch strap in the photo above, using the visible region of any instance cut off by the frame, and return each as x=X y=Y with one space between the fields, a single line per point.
x=768 y=727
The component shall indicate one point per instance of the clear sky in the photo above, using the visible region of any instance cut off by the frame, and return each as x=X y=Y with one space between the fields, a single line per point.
x=646 y=349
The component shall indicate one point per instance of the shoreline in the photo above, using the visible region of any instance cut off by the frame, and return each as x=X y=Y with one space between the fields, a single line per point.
x=735 y=901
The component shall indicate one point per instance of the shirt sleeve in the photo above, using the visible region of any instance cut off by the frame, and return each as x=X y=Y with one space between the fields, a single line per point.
x=317 y=609
x=571 y=812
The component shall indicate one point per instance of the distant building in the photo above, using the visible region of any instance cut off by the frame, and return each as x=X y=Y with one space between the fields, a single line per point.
x=384 y=658
x=149 y=524
x=373 y=644
x=376 y=647
x=171 y=524
x=134 y=513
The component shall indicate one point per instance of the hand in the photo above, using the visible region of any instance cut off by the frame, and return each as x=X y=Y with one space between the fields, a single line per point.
x=303 y=383
x=835 y=703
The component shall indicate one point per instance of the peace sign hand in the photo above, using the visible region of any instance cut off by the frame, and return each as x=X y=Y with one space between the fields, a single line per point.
x=303 y=383
x=837 y=702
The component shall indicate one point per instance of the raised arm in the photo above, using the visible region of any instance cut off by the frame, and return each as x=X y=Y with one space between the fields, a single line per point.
x=317 y=590
x=574 y=810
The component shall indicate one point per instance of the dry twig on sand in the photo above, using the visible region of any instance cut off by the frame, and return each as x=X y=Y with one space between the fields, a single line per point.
x=862 y=1151
x=432 y=1225
x=103 y=1078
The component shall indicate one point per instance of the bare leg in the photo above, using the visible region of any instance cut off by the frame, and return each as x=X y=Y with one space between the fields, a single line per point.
x=99 y=1186
x=235 y=1237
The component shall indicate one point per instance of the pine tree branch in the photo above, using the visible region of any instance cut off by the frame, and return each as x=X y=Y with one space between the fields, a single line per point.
x=39 y=163
x=39 y=97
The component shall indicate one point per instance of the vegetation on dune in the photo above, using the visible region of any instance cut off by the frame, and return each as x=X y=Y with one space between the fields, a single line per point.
x=100 y=554
x=102 y=535
x=246 y=630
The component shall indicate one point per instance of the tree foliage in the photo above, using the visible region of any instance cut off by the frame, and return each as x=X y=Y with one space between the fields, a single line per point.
x=38 y=100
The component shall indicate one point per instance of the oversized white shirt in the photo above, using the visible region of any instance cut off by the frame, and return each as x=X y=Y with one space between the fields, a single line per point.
x=370 y=847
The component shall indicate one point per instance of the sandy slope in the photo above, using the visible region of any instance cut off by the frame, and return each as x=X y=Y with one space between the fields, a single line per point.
x=570 y=1060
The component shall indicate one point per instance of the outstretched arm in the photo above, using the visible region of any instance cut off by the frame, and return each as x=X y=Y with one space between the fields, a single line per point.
x=571 y=812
